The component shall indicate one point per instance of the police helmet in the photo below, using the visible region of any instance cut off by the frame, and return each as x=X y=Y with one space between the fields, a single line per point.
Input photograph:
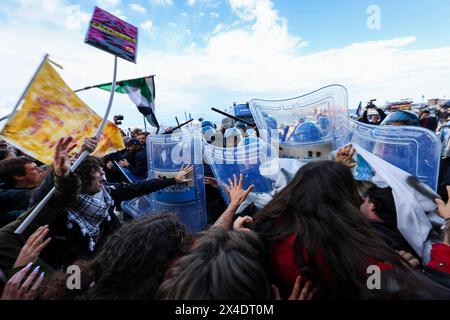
x=324 y=124
x=402 y=117
x=307 y=132
x=240 y=125
x=207 y=123
x=211 y=135
x=232 y=137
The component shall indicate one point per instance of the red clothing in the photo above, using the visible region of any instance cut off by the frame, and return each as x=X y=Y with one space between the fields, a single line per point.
x=282 y=262
x=440 y=257
x=283 y=270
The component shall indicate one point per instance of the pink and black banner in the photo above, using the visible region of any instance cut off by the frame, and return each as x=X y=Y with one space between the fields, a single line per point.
x=111 y=34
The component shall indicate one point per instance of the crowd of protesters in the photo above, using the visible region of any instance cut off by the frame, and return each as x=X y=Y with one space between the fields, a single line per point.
x=314 y=240
x=432 y=121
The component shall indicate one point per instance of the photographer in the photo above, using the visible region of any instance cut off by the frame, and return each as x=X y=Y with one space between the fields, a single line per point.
x=376 y=118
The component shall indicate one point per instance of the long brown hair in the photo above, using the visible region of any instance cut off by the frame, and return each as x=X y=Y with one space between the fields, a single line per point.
x=320 y=206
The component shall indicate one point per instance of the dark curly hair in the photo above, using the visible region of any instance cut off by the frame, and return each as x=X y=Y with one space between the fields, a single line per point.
x=221 y=265
x=131 y=263
x=85 y=170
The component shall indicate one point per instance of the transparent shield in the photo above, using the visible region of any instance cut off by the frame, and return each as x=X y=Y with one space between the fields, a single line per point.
x=246 y=159
x=307 y=127
x=166 y=155
x=413 y=149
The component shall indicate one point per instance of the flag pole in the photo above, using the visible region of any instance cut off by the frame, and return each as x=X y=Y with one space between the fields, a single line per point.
x=5 y=117
x=80 y=159
x=145 y=123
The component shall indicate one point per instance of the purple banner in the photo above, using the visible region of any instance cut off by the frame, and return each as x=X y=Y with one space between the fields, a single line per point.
x=109 y=33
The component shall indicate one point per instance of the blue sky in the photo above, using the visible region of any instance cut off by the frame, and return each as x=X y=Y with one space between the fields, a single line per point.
x=210 y=53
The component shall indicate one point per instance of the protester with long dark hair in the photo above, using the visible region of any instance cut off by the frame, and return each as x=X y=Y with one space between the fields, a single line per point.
x=221 y=264
x=313 y=227
x=130 y=265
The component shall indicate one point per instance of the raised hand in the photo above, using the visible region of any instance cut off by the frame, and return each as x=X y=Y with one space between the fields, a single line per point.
x=444 y=208
x=89 y=144
x=16 y=290
x=33 y=247
x=181 y=177
x=345 y=156
x=211 y=181
x=124 y=163
x=242 y=223
x=236 y=192
x=61 y=159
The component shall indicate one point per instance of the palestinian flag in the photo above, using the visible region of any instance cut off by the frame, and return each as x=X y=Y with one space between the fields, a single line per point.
x=141 y=91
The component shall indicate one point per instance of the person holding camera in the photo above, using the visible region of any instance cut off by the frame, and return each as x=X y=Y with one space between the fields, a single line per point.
x=372 y=115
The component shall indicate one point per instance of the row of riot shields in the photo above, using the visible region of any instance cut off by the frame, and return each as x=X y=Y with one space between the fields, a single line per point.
x=306 y=128
x=415 y=150
x=166 y=155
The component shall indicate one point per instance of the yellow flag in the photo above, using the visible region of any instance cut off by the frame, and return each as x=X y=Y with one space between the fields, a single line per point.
x=51 y=110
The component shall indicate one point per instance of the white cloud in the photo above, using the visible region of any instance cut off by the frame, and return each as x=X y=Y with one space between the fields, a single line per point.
x=219 y=28
x=256 y=58
x=108 y=4
x=207 y=3
x=147 y=25
x=119 y=14
x=259 y=29
x=214 y=15
x=54 y=12
x=162 y=2
x=137 y=7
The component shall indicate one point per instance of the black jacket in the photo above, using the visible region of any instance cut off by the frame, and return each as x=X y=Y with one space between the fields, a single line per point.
x=67 y=244
x=11 y=243
x=138 y=162
x=14 y=202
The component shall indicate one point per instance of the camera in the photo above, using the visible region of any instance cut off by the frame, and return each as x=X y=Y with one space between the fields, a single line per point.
x=370 y=104
x=117 y=119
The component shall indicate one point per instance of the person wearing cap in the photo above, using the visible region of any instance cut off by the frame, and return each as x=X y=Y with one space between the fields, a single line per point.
x=135 y=158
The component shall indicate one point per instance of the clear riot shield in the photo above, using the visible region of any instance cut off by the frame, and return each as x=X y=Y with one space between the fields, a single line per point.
x=413 y=149
x=245 y=159
x=307 y=127
x=166 y=155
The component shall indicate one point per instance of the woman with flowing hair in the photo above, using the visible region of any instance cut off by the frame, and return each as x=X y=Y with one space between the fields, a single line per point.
x=313 y=227
x=131 y=263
